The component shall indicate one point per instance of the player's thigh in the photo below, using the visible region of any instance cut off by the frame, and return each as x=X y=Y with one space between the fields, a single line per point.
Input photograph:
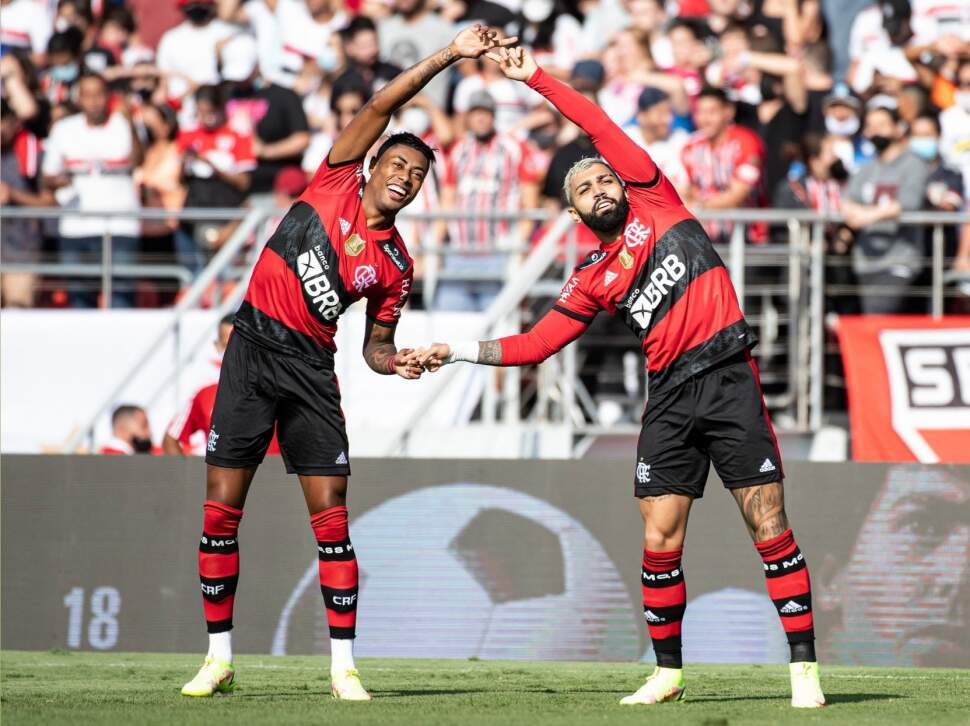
x=244 y=413
x=735 y=427
x=665 y=521
x=311 y=429
x=669 y=460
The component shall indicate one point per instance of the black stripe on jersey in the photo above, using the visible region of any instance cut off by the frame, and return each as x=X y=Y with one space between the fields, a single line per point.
x=572 y=314
x=285 y=241
x=723 y=344
x=317 y=235
x=689 y=246
x=258 y=327
x=300 y=232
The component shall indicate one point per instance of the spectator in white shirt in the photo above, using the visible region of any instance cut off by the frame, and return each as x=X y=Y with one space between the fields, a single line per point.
x=88 y=161
x=26 y=24
x=188 y=54
x=654 y=132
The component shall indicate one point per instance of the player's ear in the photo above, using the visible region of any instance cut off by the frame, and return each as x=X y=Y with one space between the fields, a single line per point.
x=372 y=165
x=574 y=214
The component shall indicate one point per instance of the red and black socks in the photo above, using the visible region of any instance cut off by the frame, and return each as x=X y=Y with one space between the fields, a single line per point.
x=219 y=564
x=338 y=571
x=790 y=589
x=664 y=600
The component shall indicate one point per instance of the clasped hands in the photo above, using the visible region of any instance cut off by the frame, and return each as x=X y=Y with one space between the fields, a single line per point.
x=410 y=363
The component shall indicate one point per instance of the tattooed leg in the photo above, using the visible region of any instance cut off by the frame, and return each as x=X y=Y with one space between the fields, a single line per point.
x=763 y=509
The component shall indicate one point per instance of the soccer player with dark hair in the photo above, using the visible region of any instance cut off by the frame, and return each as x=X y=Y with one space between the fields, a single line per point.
x=657 y=271
x=336 y=245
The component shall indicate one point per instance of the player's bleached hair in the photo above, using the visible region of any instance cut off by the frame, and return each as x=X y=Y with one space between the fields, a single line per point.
x=581 y=166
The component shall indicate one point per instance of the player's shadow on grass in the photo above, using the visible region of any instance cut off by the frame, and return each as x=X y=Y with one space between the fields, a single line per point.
x=830 y=699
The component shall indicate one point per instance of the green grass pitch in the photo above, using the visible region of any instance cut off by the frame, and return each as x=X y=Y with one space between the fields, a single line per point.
x=124 y=688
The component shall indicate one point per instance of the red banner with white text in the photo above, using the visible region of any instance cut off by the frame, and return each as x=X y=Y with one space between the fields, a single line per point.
x=908 y=379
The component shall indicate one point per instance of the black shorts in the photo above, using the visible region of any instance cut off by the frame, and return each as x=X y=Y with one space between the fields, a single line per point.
x=718 y=415
x=259 y=390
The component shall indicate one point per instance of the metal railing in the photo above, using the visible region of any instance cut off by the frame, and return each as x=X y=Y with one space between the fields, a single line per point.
x=788 y=305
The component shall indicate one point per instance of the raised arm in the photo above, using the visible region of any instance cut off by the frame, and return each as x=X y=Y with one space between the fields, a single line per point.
x=628 y=160
x=368 y=125
x=552 y=333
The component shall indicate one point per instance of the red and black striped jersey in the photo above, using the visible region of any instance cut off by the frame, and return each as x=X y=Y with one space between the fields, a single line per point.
x=320 y=260
x=661 y=276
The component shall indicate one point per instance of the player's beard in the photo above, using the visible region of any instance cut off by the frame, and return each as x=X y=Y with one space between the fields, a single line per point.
x=610 y=221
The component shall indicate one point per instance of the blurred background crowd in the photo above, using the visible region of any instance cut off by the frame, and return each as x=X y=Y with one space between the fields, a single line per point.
x=841 y=106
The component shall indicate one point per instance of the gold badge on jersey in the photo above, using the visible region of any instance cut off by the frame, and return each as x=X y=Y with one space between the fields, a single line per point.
x=354 y=245
x=626 y=259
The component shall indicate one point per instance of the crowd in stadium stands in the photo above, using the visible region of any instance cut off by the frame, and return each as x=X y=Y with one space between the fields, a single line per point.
x=847 y=106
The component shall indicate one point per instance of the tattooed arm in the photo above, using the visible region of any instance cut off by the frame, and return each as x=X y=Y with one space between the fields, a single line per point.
x=551 y=334
x=368 y=125
x=382 y=354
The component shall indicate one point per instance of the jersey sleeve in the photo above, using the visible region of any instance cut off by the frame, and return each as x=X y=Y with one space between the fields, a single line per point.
x=343 y=178
x=554 y=331
x=576 y=302
x=630 y=161
x=384 y=305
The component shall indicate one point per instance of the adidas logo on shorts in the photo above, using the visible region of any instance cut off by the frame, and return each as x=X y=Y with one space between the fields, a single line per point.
x=342 y=459
x=792 y=608
x=767 y=466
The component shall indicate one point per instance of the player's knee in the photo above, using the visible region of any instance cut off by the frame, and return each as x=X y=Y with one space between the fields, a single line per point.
x=663 y=539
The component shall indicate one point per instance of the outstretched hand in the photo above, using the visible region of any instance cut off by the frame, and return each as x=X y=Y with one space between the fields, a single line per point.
x=433 y=357
x=475 y=41
x=406 y=364
x=516 y=63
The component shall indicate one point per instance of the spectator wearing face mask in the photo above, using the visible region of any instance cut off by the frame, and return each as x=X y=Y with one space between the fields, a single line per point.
x=188 y=53
x=842 y=119
x=887 y=257
x=877 y=45
x=944 y=186
x=345 y=103
x=553 y=34
x=816 y=181
x=269 y=113
x=64 y=65
x=131 y=432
